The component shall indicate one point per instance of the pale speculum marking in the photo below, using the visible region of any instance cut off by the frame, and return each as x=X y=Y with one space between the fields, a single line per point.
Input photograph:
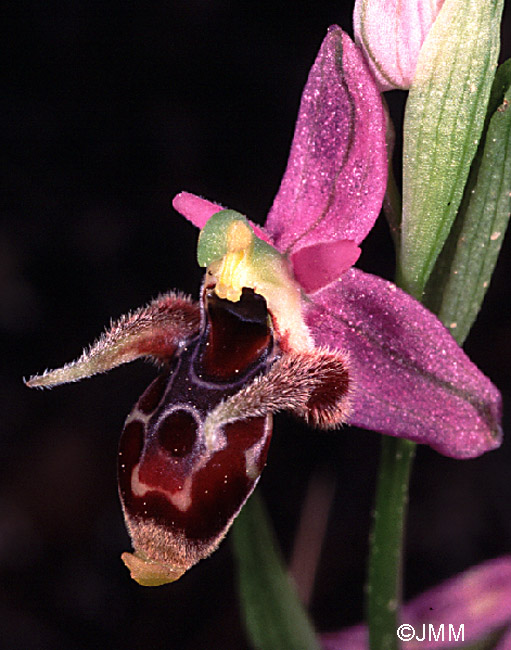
x=179 y=433
x=176 y=435
x=168 y=477
x=181 y=499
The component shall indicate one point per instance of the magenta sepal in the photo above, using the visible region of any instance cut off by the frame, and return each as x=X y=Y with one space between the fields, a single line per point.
x=412 y=379
x=478 y=599
x=336 y=173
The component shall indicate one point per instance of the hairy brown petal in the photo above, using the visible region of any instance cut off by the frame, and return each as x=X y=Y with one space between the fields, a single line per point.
x=153 y=331
x=315 y=386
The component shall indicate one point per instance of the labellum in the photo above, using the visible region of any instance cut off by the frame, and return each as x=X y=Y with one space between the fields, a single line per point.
x=180 y=487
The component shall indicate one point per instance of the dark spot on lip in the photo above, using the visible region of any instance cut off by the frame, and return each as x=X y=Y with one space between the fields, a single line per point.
x=177 y=433
x=219 y=488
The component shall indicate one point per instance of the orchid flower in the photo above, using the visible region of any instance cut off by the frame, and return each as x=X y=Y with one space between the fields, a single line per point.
x=284 y=323
x=464 y=610
x=391 y=34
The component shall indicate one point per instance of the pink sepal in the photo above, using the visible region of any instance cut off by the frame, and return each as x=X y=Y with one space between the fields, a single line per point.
x=412 y=379
x=336 y=174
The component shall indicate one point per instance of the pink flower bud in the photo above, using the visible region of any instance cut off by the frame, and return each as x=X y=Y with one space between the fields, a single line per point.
x=391 y=33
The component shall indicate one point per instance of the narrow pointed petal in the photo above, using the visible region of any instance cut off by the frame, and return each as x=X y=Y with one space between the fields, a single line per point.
x=314 y=385
x=194 y=208
x=316 y=266
x=412 y=379
x=154 y=331
x=336 y=173
x=199 y=211
x=391 y=33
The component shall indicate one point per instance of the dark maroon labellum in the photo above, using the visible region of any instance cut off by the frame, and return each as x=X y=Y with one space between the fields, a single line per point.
x=179 y=492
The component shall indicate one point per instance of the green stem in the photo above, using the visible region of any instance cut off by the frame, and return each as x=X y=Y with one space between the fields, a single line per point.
x=386 y=544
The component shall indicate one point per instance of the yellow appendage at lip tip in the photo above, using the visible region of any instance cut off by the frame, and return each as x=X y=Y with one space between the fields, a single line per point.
x=150 y=573
x=231 y=272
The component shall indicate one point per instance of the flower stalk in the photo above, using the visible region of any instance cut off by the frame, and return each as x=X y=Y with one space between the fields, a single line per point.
x=384 y=588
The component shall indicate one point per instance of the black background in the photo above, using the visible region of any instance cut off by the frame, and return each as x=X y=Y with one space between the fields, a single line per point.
x=109 y=110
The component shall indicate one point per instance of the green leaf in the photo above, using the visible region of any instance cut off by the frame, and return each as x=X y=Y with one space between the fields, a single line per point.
x=274 y=616
x=463 y=272
x=443 y=122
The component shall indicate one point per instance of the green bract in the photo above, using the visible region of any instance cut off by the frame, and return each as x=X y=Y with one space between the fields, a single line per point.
x=464 y=269
x=443 y=122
